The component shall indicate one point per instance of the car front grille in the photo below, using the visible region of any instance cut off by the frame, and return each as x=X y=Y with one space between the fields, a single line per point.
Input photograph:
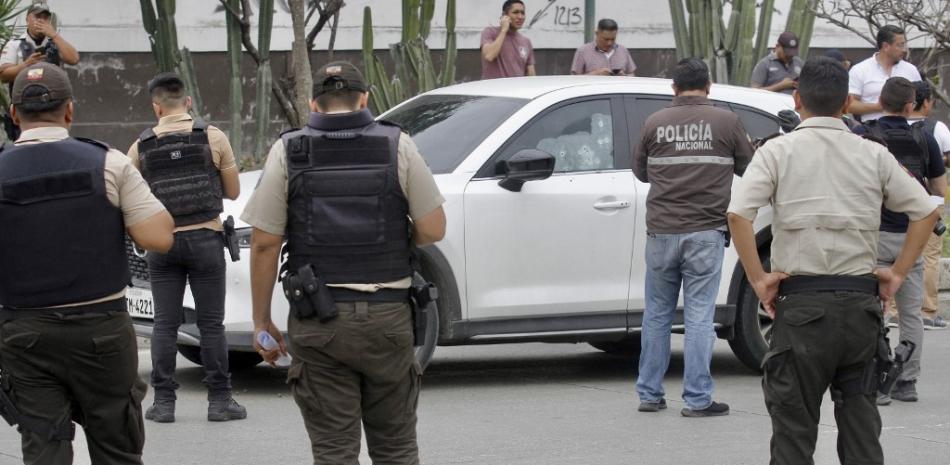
x=137 y=265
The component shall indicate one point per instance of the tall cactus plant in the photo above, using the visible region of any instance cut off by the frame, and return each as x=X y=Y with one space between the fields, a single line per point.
x=159 y=24
x=732 y=47
x=414 y=68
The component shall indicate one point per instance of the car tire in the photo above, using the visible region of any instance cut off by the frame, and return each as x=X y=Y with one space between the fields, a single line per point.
x=753 y=327
x=628 y=346
x=236 y=360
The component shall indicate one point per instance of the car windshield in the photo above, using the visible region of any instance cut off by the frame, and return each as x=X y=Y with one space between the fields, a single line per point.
x=446 y=128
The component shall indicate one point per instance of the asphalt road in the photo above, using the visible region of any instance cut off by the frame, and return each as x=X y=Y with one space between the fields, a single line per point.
x=539 y=404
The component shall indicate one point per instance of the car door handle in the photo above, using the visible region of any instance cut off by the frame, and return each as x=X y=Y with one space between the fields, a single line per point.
x=613 y=205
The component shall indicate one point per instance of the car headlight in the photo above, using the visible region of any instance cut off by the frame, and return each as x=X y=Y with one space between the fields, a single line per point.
x=243 y=237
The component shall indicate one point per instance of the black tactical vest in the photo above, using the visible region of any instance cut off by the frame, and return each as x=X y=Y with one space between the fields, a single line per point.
x=52 y=51
x=347 y=214
x=180 y=170
x=63 y=241
x=909 y=146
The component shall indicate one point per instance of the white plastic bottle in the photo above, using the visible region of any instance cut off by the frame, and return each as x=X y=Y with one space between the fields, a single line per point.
x=269 y=343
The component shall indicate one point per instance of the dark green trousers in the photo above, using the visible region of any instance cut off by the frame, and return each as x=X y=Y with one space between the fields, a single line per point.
x=823 y=340
x=82 y=368
x=359 y=367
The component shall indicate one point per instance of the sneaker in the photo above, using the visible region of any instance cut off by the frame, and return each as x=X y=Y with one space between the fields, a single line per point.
x=652 y=406
x=161 y=411
x=935 y=323
x=883 y=399
x=905 y=391
x=715 y=409
x=890 y=321
x=226 y=409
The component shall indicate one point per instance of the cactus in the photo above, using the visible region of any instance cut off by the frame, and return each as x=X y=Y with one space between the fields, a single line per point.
x=415 y=70
x=236 y=89
x=732 y=47
x=159 y=24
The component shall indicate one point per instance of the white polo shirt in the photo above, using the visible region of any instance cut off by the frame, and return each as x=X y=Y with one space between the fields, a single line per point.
x=867 y=78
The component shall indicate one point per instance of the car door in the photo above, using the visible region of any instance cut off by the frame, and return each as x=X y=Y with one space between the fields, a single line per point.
x=563 y=244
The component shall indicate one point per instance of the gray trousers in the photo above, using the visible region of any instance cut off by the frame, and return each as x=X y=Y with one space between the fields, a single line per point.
x=909 y=300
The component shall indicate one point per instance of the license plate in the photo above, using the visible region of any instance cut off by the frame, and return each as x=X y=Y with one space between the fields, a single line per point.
x=140 y=303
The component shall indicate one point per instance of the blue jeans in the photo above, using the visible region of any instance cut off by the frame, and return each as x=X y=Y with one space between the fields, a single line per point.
x=693 y=261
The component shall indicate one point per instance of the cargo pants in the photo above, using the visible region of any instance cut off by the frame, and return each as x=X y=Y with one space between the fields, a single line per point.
x=81 y=368
x=358 y=367
x=822 y=340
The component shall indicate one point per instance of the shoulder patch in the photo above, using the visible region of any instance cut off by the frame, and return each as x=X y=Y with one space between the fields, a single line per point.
x=98 y=143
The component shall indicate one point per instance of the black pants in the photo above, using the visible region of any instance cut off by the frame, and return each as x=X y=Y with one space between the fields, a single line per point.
x=822 y=340
x=82 y=368
x=197 y=257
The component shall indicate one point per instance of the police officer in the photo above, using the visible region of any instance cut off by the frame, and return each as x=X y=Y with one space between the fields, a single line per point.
x=826 y=187
x=689 y=154
x=67 y=347
x=190 y=168
x=779 y=69
x=346 y=191
x=40 y=42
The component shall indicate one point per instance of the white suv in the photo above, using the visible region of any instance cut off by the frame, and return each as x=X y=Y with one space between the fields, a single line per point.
x=530 y=255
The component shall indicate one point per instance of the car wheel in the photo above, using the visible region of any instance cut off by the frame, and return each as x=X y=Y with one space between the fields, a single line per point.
x=753 y=327
x=627 y=346
x=236 y=360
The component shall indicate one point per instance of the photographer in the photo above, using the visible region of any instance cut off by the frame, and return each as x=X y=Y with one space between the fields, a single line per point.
x=40 y=42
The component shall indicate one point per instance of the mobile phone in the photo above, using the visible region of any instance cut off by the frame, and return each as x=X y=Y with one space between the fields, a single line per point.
x=616 y=71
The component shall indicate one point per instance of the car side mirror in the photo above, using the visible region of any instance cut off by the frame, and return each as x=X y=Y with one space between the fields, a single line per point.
x=525 y=165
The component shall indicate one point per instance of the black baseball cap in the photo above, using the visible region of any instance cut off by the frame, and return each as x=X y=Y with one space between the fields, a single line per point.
x=789 y=42
x=835 y=54
x=49 y=77
x=338 y=75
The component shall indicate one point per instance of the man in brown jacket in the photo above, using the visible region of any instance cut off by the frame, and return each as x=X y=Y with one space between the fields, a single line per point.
x=688 y=153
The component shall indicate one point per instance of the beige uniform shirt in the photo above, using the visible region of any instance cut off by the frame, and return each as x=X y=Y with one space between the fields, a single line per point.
x=221 y=154
x=267 y=208
x=826 y=186
x=124 y=186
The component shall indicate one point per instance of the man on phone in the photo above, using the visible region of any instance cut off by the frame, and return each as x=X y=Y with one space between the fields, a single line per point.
x=505 y=52
x=40 y=42
x=604 y=56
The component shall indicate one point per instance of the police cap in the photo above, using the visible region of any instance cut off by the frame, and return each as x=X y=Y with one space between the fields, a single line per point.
x=338 y=75
x=49 y=77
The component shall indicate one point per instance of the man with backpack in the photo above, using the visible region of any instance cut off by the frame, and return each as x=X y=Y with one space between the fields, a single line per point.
x=919 y=154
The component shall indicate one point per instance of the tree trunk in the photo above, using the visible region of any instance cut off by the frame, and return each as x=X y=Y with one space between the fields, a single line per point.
x=264 y=80
x=303 y=79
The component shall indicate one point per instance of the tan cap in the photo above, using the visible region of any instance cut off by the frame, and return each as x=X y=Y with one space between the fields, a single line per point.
x=49 y=77
x=39 y=7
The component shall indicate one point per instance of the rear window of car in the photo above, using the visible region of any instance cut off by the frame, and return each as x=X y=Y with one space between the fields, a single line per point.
x=446 y=128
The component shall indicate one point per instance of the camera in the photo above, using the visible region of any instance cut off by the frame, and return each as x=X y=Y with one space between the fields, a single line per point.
x=940 y=228
x=51 y=51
